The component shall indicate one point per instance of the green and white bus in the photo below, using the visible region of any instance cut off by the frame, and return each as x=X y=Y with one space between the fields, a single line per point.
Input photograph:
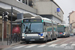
x=38 y=29
x=63 y=30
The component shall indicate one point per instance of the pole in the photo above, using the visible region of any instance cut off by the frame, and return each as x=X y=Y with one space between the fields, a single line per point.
x=11 y=22
x=2 y=27
x=27 y=2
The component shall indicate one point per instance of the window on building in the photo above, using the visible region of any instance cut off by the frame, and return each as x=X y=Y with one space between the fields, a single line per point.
x=30 y=3
x=26 y=1
x=23 y=1
x=19 y=0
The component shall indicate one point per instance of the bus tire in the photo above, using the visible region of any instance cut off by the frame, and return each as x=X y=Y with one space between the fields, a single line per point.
x=65 y=36
x=55 y=38
x=51 y=38
x=68 y=35
x=45 y=39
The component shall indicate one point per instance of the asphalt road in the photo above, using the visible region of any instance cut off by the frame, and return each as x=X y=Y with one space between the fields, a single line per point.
x=59 y=44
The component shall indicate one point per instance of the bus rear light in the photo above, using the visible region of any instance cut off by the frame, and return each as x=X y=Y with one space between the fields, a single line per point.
x=60 y=33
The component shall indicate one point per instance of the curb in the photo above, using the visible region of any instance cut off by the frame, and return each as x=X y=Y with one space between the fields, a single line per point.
x=12 y=45
x=15 y=43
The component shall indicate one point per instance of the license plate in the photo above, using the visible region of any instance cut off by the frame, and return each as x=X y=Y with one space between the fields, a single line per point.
x=32 y=39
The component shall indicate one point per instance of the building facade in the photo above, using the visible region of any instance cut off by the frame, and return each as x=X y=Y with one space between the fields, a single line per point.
x=29 y=8
x=18 y=7
x=72 y=20
x=72 y=17
x=49 y=9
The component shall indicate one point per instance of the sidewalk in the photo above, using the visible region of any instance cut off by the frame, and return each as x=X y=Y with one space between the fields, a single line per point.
x=3 y=45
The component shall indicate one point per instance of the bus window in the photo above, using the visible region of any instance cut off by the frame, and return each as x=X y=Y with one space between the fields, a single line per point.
x=48 y=27
x=33 y=27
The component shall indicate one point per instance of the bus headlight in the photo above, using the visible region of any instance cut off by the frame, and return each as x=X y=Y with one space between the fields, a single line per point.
x=23 y=34
x=63 y=33
x=42 y=37
x=23 y=37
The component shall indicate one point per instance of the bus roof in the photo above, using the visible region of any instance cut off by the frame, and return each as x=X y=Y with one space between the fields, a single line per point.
x=46 y=20
x=64 y=25
x=38 y=17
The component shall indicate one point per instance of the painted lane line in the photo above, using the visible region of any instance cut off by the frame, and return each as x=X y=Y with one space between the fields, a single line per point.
x=53 y=41
x=18 y=47
x=69 y=47
x=62 y=45
x=52 y=45
x=66 y=40
x=30 y=46
x=73 y=45
x=42 y=45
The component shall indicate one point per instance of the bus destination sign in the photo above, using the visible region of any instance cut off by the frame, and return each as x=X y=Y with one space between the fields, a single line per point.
x=32 y=20
x=35 y=20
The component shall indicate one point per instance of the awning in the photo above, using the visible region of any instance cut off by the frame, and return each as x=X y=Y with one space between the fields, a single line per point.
x=14 y=12
x=1 y=10
x=17 y=21
x=8 y=10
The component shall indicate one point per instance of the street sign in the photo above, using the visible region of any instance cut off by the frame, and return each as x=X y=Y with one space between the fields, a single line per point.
x=58 y=9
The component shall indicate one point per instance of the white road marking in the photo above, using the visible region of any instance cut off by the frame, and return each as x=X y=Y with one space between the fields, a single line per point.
x=68 y=47
x=62 y=45
x=66 y=41
x=73 y=45
x=53 y=41
x=30 y=46
x=42 y=45
x=58 y=47
x=52 y=45
x=18 y=47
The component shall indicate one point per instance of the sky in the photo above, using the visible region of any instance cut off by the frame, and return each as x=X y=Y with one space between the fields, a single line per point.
x=67 y=6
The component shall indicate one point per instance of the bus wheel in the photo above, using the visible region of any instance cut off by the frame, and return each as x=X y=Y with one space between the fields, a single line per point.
x=55 y=38
x=51 y=38
x=45 y=40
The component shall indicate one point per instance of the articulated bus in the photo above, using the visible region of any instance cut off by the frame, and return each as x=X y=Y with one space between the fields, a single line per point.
x=38 y=29
x=63 y=31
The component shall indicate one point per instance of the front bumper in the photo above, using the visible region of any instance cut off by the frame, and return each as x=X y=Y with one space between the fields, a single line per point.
x=33 y=39
x=61 y=35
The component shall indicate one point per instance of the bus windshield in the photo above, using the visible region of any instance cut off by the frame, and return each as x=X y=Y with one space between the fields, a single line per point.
x=61 y=29
x=32 y=27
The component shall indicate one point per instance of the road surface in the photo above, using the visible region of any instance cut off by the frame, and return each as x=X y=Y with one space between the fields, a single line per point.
x=59 y=44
